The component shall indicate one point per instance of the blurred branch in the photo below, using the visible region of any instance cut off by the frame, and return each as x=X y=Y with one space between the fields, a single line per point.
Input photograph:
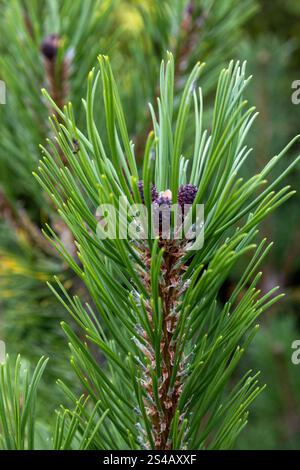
x=19 y=220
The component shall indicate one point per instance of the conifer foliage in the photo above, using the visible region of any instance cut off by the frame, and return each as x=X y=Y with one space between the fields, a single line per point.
x=170 y=348
x=54 y=44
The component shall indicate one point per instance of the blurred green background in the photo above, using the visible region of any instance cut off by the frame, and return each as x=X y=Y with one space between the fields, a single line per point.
x=136 y=35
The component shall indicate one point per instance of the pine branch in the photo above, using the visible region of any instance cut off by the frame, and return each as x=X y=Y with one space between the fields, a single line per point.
x=57 y=71
x=17 y=404
x=169 y=345
x=18 y=220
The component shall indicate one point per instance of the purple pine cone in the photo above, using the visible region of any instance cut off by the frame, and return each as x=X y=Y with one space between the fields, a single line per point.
x=162 y=200
x=186 y=194
x=154 y=192
x=162 y=214
x=49 y=46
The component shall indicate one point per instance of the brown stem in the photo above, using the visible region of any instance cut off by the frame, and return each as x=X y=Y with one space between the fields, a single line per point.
x=191 y=26
x=169 y=399
x=57 y=81
x=57 y=78
x=162 y=413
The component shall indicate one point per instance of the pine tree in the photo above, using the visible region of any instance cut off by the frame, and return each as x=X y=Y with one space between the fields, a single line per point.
x=170 y=347
x=54 y=44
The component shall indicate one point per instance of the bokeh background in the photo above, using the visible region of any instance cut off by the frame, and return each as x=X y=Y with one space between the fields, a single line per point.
x=136 y=34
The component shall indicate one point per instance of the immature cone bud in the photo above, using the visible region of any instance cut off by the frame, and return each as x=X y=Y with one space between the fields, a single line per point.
x=163 y=201
x=154 y=192
x=50 y=46
x=186 y=194
x=162 y=213
x=165 y=198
